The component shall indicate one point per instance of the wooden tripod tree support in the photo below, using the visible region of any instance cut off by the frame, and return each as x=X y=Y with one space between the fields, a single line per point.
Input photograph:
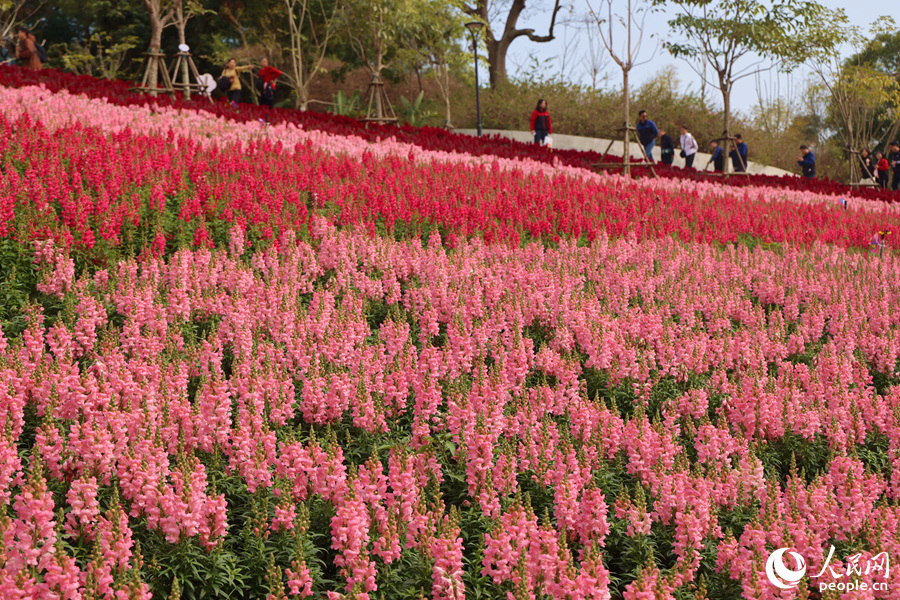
x=186 y=86
x=856 y=180
x=378 y=98
x=159 y=59
x=629 y=130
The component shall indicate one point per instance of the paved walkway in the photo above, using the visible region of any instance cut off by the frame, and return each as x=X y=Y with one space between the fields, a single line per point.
x=576 y=142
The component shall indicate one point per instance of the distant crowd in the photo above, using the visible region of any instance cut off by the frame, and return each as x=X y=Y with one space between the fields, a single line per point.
x=875 y=170
x=649 y=134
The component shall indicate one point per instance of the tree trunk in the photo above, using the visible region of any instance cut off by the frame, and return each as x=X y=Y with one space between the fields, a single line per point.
x=301 y=86
x=301 y=103
x=851 y=136
x=155 y=46
x=379 y=105
x=376 y=76
x=159 y=19
x=496 y=62
x=626 y=147
x=182 y=39
x=445 y=75
x=726 y=122
x=442 y=79
x=308 y=47
x=498 y=46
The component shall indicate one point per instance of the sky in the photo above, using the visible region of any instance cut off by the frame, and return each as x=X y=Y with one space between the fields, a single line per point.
x=571 y=51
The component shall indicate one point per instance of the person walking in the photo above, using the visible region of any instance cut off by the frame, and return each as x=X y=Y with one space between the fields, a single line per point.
x=267 y=76
x=739 y=154
x=807 y=162
x=26 y=50
x=718 y=157
x=233 y=73
x=541 y=126
x=882 y=167
x=666 y=147
x=688 y=147
x=894 y=160
x=647 y=133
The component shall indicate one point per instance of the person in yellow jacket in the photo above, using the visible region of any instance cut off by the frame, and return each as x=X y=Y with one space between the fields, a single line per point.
x=233 y=73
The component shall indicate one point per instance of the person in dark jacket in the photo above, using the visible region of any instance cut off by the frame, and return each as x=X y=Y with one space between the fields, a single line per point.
x=718 y=157
x=807 y=162
x=666 y=147
x=541 y=126
x=866 y=166
x=26 y=50
x=894 y=160
x=647 y=133
x=739 y=155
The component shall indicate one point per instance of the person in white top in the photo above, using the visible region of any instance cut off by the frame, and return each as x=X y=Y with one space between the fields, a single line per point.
x=688 y=147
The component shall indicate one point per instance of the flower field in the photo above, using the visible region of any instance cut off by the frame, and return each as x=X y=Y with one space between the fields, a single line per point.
x=240 y=361
x=429 y=138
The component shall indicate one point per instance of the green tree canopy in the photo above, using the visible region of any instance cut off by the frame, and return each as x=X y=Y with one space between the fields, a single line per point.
x=864 y=90
x=739 y=38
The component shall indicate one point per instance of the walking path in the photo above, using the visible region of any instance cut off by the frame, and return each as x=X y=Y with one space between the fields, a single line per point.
x=576 y=142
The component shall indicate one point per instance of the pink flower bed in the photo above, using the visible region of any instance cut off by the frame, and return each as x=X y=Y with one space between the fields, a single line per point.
x=573 y=405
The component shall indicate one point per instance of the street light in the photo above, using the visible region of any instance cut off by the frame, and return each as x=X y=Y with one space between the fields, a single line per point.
x=475 y=27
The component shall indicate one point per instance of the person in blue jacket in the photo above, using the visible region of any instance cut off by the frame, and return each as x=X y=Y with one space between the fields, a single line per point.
x=647 y=133
x=718 y=158
x=807 y=162
x=739 y=154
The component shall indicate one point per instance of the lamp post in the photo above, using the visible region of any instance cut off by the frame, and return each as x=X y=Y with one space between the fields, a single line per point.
x=475 y=27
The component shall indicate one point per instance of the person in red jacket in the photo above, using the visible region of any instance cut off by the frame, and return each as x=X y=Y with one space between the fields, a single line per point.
x=541 y=126
x=882 y=166
x=267 y=76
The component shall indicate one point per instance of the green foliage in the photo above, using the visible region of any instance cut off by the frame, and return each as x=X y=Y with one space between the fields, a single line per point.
x=720 y=33
x=881 y=53
x=343 y=105
x=102 y=36
x=416 y=113
x=18 y=285
x=100 y=55
x=863 y=108
x=376 y=28
x=201 y=575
